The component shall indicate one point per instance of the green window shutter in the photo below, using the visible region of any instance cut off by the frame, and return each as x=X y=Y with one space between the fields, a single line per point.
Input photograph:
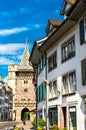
x=37 y=94
x=83 y=68
x=82 y=34
x=44 y=90
x=40 y=92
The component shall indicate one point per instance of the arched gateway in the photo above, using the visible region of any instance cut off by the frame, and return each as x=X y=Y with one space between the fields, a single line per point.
x=20 y=79
x=22 y=113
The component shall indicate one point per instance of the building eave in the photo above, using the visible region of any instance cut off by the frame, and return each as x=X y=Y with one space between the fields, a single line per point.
x=62 y=29
x=77 y=10
x=35 y=55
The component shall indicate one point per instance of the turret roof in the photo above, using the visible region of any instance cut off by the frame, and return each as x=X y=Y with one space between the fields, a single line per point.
x=25 y=65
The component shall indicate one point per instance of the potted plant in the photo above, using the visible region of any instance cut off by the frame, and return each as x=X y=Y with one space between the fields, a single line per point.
x=41 y=124
x=34 y=123
x=55 y=127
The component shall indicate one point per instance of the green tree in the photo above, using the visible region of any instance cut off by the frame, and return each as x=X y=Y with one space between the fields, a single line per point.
x=27 y=115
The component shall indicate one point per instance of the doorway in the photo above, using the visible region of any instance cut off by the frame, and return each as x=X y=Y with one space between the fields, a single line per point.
x=64 y=117
x=23 y=113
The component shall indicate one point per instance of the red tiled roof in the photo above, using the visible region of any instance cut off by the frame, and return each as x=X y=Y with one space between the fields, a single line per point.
x=55 y=22
x=71 y=1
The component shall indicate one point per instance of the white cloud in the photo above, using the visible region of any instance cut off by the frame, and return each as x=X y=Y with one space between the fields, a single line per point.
x=20 y=57
x=11 y=48
x=35 y=26
x=6 y=79
x=5 y=32
x=24 y=10
x=6 y=61
x=57 y=12
x=5 y=14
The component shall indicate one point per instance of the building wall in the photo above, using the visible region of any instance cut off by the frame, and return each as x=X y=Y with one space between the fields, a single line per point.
x=21 y=86
x=41 y=106
x=62 y=68
x=23 y=91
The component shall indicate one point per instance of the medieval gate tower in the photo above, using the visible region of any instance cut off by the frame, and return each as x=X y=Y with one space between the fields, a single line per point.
x=20 y=79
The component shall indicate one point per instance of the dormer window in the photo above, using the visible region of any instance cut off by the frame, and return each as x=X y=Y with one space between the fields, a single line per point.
x=67 y=5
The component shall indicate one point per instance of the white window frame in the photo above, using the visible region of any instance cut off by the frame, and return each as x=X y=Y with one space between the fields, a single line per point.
x=68 y=49
x=67 y=86
x=53 y=89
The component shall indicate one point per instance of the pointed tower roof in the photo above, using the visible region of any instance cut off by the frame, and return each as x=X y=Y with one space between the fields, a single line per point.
x=24 y=65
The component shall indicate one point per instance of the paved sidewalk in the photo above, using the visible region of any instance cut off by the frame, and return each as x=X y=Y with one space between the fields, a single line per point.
x=7 y=124
x=26 y=127
x=11 y=124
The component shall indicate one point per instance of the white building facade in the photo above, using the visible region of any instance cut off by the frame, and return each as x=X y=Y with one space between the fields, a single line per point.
x=65 y=51
x=66 y=65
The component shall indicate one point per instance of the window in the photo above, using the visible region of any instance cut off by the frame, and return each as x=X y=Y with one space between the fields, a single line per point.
x=85 y=27
x=69 y=83
x=53 y=89
x=72 y=82
x=68 y=49
x=53 y=116
x=25 y=90
x=39 y=68
x=23 y=99
x=83 y=30
x=25 y=82
x=52 y=62
x=41 y=63
x=85 y=112
x=83 y=68
x=72 y=118
x=44 y=59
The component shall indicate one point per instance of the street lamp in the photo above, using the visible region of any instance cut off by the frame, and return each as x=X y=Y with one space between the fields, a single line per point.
x=47 y=86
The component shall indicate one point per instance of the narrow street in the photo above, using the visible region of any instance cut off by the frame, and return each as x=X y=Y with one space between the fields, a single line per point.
x=26 y=127
x=8 y=125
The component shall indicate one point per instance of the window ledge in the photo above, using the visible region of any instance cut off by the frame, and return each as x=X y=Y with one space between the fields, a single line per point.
x=69 y=94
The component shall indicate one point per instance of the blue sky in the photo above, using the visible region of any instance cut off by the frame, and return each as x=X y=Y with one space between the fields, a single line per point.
x=20 y=19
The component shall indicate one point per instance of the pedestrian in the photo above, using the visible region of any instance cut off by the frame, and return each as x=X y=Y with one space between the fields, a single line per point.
x=23 y=120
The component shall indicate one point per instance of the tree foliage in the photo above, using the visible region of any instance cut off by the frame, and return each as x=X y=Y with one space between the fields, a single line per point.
x=27 y=115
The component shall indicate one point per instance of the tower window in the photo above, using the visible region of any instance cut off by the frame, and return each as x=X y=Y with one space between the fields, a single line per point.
x=25 y=90
x=25 y=82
